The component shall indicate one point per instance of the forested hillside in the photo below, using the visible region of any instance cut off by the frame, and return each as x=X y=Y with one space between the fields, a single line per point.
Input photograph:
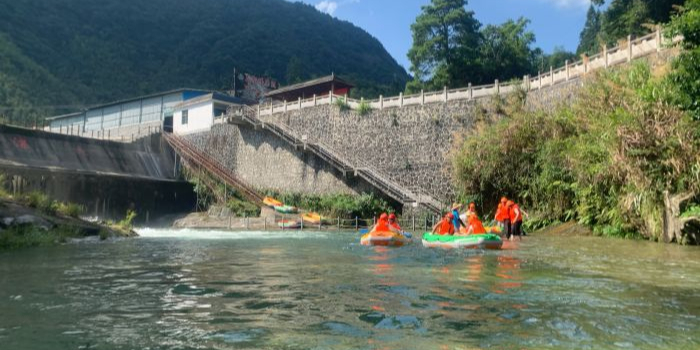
x=73 y=53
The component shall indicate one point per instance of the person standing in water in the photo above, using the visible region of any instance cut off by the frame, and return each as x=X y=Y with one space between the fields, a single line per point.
x=503 y=217
x=516 y=220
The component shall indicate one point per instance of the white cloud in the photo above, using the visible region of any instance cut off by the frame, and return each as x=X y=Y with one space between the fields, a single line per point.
x=570 y=3
x=328 y=7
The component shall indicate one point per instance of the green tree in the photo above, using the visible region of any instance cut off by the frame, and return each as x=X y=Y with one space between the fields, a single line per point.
x=506 y=50
x=445 y=41
x=589 y=42
x=295 y=71
x=686 y=74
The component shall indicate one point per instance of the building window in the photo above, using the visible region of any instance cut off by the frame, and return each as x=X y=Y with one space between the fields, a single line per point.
x=184 y=117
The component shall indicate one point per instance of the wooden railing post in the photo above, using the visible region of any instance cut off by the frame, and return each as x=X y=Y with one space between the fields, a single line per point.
x=422 y=97
x=400 y=99
x=497 y=87
x=445 y=93
x=470 y=92
x=381 y=102
x=568 y=72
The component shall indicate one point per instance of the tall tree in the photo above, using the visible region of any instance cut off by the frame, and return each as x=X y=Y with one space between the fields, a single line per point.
x=445 y=45
x=589 y=35
x=506 y=50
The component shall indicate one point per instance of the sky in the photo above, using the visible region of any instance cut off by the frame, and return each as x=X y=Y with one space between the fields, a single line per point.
x=554 y=22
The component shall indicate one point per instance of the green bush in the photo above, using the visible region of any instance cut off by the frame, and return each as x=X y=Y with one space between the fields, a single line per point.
x=41 y=202
x=603 y=160
x=241 y=208
x=364 y=108
x=70 y=209
x=341 y=104
x=127 y=222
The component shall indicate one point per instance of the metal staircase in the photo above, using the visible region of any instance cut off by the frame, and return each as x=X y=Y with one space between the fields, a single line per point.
x=190 y=153
x=372 y=176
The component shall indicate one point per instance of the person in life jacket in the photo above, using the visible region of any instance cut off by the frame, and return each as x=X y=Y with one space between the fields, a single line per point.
x=445 y=226
x=475 y=227
x=393 y=223
x=516 y=220
x=465 y=217
x=383 y=225
x=503 y=216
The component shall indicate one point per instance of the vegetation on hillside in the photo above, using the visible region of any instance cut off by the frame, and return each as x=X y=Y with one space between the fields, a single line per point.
x=607 y=160
x=451 y=48
x=606 y=26
x=74 y=53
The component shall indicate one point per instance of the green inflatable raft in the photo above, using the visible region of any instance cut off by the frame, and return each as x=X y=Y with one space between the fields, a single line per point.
x=483 y=241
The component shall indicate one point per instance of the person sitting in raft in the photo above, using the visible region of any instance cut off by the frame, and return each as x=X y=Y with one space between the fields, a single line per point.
x=445 y=226
x=469 y=212
x=383 y=225
x=393 y=222
x=457 y=222
x=475 y=227
x=516 y=220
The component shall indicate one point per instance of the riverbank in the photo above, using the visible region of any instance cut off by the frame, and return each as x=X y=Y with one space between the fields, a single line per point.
x=23 y=226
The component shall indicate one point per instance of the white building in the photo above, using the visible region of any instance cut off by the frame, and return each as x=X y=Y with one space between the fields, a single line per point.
x=144 y=110
x=200 y=113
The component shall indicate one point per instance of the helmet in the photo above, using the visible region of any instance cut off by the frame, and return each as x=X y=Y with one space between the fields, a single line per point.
x=383 y=216
x=392 y=216
x=510 y=203
x=504 y=200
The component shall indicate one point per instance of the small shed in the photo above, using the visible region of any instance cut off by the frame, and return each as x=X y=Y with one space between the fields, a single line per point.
x=318 y=87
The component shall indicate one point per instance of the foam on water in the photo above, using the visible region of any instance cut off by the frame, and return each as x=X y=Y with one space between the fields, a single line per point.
x=220 y=234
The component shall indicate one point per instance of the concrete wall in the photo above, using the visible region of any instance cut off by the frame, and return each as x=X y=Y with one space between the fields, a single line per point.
x=106 y=177
x=150 y=157
x=266 y=162
x=409 y=145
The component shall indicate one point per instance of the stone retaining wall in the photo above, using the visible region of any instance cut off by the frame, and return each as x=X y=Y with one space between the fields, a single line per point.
x=409 y=145
x=268 y=163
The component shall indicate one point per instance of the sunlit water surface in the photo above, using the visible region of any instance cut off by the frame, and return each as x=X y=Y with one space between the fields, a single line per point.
x=252 y=290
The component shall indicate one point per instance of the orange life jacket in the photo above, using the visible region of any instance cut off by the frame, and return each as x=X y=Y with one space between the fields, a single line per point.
x=396 y=225
x=382 y=226
x=477 y=226
x=515 y=214
x=446 y=227
x=501 y=213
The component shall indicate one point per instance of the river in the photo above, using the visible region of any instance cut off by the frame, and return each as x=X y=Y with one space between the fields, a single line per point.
x=316 y=290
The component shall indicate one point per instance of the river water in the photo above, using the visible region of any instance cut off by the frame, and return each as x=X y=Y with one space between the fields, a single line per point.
x=247 y=290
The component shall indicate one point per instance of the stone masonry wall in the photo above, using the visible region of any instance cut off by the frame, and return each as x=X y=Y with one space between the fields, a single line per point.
x=266 y=162
x=409 y=145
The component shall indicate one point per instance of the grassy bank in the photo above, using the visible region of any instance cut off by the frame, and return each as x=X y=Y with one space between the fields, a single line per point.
x=35 y=220
x=609 y=160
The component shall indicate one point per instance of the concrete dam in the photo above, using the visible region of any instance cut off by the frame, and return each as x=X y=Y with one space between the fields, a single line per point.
x=104 y=176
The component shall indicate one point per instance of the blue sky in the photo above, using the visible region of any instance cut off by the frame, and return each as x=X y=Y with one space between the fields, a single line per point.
x=554 y=22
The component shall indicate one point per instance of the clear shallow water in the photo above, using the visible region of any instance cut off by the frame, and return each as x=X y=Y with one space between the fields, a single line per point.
x=290 y=290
